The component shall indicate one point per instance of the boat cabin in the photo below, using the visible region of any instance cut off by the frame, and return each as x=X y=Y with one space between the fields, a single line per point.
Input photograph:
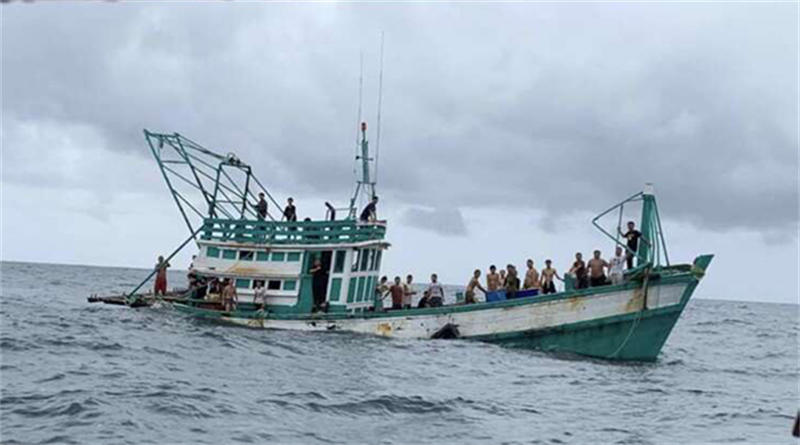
x=280 y=254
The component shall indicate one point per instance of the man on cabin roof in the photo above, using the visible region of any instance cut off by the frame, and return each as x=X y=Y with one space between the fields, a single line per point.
x=290 y=212
x=261 y=207
x=370 y=212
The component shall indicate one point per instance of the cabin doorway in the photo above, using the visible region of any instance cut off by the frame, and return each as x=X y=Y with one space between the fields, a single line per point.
x=321 y=281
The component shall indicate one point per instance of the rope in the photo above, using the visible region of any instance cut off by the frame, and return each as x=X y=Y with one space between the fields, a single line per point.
x=638 y=317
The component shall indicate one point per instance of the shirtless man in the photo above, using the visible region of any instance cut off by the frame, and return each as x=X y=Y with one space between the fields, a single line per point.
x=531 y=277
x=578 y=270
x=548 y=273
x=469 y=295
x=492 y=279
x=229 y=297
x=597 y=267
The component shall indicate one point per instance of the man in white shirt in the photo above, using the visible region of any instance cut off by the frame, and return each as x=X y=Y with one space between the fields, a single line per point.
x=259 y=293
x=616 y=266
x=436 y=292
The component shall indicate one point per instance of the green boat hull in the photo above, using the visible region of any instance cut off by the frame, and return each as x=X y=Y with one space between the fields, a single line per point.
x=638 y=337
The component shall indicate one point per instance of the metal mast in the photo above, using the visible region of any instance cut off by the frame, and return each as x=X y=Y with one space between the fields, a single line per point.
x=364 y=184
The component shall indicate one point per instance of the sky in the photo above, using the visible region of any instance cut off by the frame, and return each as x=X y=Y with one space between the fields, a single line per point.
x=505 y=127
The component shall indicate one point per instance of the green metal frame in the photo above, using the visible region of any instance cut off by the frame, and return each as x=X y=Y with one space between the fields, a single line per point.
x=654 y=247
x=227 y=185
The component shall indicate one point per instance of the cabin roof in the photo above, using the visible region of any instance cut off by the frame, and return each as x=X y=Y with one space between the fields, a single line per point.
x=294 y=234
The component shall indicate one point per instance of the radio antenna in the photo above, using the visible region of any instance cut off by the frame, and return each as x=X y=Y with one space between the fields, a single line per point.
x=360 y=98
x=378 y=128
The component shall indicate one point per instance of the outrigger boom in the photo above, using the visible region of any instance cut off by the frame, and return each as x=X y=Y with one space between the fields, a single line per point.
x=626 y=321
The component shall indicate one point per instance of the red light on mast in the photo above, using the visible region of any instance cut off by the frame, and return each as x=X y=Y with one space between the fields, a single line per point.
x=363 y=126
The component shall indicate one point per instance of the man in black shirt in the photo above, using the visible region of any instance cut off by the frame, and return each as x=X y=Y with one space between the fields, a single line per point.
x=261 y=207
x=369 y=212
x=632 y=235
x=290 y=213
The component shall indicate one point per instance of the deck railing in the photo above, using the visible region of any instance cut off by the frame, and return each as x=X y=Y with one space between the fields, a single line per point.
x=283 y=232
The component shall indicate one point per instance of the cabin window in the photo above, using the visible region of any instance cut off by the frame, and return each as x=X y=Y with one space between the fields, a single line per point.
x=365 y=259
x=212 y=252
x=356 y=259
x=274 y=284
x=351 y=290
x=246 y=255
x=293 y=256
x=372 y=259
x=229 y=254
x=262 y=256
x=338 y=265
x=242 y=283
x=289 y=284
x=378 y=255
x=278 y=256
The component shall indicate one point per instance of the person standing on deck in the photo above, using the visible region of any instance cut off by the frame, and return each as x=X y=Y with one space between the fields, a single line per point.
x=492 y=279
x=290 y=211
x=435 y=292
x=398 y=291
x=261 y=207
x=632 y=235
x=408 y=292
x=531 y=277
x=578 y=270
x=503 y=277
x=511 y=282
x=370 y=211
x=229 y=297
x=616 y=266
x=259 y=294
x=319 y=280
x=161 y=276
x=548 y=273
x=382 y=289
x=469 y=295
x=597 y=267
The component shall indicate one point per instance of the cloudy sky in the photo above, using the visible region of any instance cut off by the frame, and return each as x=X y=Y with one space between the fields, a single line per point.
x=505 y=127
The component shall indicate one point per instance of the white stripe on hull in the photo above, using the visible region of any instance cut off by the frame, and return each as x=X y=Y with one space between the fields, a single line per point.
x=489 y=321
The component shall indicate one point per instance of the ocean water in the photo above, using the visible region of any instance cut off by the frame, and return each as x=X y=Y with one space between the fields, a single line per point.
x=73 y=372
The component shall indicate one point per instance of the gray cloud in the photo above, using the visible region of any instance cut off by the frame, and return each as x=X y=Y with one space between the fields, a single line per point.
x=559 y=108
x=448 y=222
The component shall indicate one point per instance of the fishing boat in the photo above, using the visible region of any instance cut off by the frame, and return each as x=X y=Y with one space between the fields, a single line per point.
x=627 y=321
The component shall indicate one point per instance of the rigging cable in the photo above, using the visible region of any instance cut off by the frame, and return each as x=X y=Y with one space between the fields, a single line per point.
x=378 y=128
